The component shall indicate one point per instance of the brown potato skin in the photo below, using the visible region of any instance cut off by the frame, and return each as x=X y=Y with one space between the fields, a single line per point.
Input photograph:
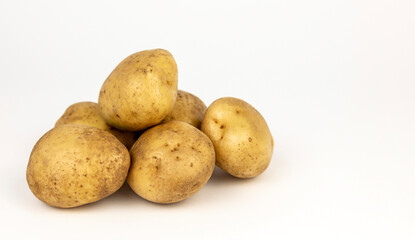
x=72 y=165
x=170 y=162
x=140 y=92
x=188 y=108
x=242 y=139
x=87 y=113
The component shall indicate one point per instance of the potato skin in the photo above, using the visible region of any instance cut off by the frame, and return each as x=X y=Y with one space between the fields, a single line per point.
x=242 y=139
x=87 y=113
x=188 y=108
x=72 y=165
x=170 y=162
x=140 y=92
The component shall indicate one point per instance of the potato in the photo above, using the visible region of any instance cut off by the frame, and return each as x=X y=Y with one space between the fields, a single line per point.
x=140 y=92
x=241 y=137
x=188 y=108
x=87 y=113
x=72 y=165
x=170 y=162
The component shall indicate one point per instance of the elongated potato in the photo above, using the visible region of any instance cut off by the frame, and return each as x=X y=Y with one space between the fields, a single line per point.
x=87 y=113
x=242 y=139
x=170 y=162
x=140 y=92
x=72 y=165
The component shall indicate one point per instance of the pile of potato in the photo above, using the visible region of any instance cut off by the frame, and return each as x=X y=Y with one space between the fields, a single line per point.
x=163 y=141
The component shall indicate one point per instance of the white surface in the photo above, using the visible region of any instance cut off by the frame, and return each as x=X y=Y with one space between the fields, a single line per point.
x=334 y=79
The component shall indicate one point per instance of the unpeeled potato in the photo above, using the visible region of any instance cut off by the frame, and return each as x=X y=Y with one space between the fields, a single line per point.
x=170 y=162
x=188 y=108
x=140 y=92
x=72 y=165
x=242 y=139
x=87 y=113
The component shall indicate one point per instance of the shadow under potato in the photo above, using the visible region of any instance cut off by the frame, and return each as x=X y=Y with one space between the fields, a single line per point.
x=220 y=177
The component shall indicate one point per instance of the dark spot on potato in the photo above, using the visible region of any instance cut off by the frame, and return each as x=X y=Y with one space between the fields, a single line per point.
x=118 y=116
x=157 y=168
x=222 y=126
x=237 y=111
x=250 y=139
x=177 y=158
x=191 y=164
x=81 y=185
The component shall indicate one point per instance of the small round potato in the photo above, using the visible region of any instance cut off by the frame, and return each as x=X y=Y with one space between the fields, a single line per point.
x=241 y=137
x=170 y=162
x=188 y=108
x=87 y=113
x=140 y=92
x=72 y=165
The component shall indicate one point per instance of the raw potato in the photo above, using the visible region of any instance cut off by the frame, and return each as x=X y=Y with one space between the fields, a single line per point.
x=170 y=162
x=72 y=165
x=241 y=137
x=141 y=91
x=87 y=113
x=188 y=108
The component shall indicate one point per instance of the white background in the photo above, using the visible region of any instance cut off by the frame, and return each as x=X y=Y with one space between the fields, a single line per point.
x=335 y=81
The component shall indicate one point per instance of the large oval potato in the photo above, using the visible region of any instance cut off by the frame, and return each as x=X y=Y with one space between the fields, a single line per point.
x=72 y=165
x=188 y=108
x=87 y=113
x=170 y=162
x=242 y=139
x=140 y=92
